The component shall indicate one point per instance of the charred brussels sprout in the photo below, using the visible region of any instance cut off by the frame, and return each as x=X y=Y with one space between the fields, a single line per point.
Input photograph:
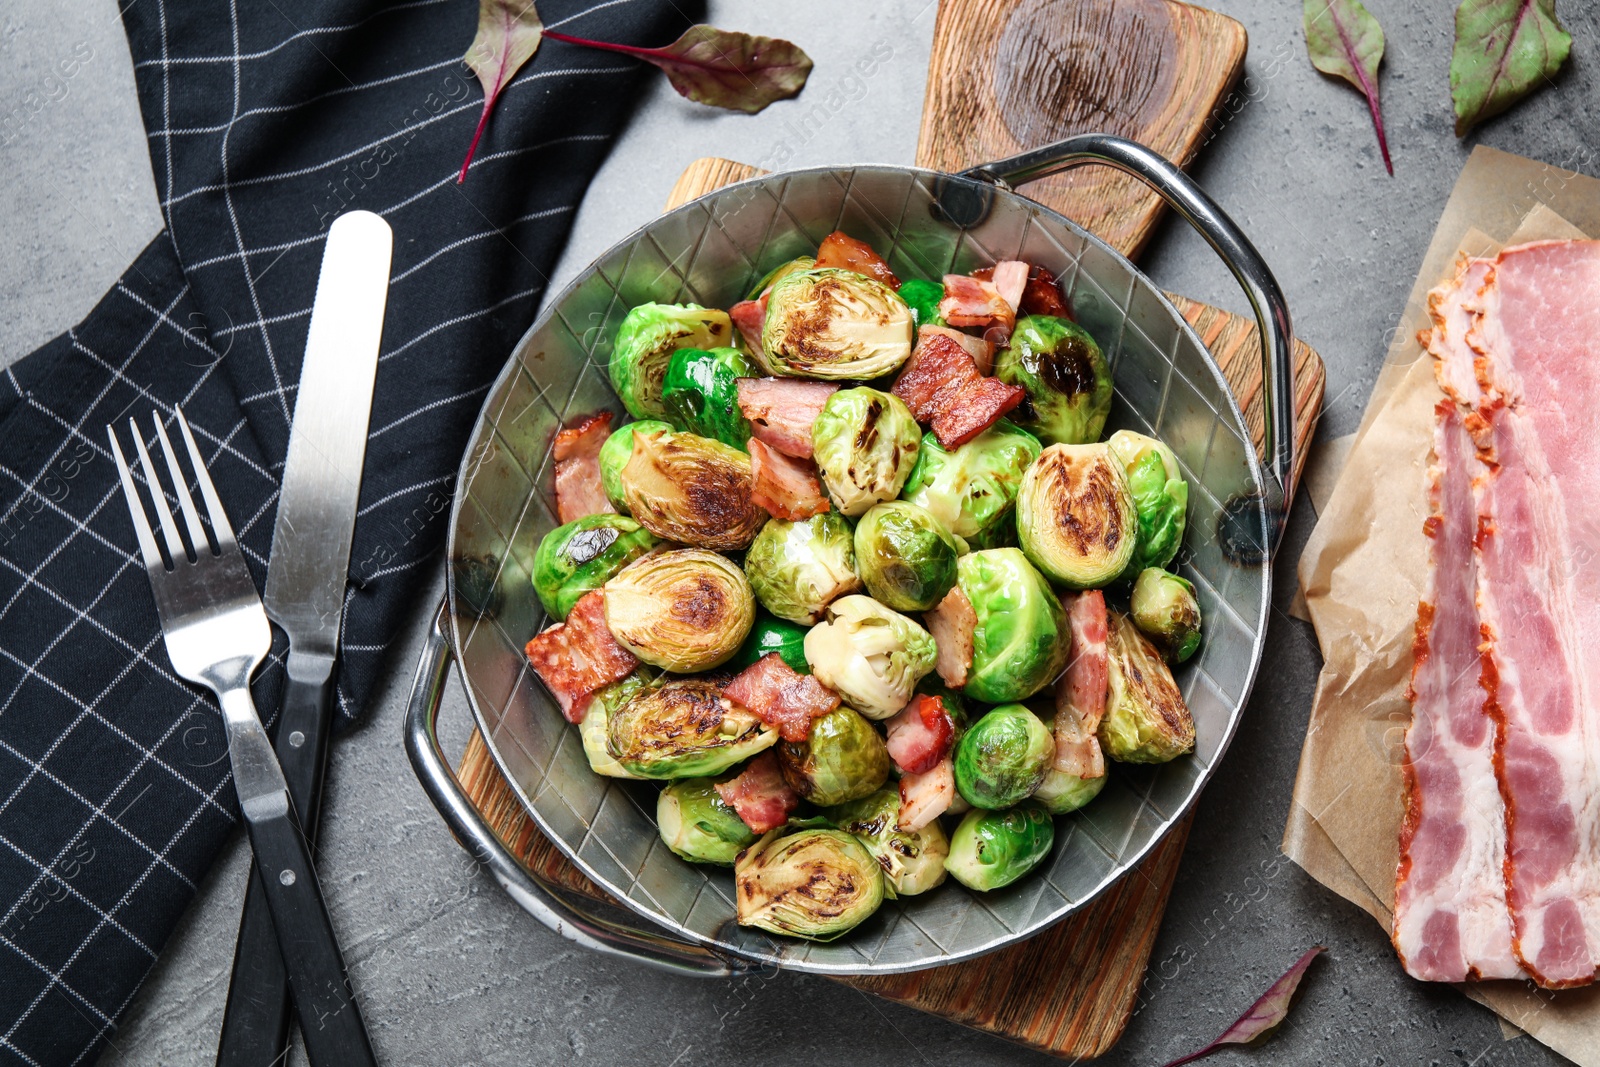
x=685 y=610
x=871 y=656
x=701 y=394
x=770 y=634
x=1061 y=792
x=780 y=271
x=810 y=883
x=1021 y=641
x=991 y=849
x=684 y=729
x=645 y=341
x=912 y=860
x=971 y=490
x=1165 y=609
x=905 y=557
x=798 y=568
x=1075 y=516
x=842 y=758
x=1146 y=718
x=1065 y=375
x=690 y=489
x=923 y=297
x=1003 y=757
x=697 y=825
x=835 y=324
x=614 y=455
x=596 y=725
x=865 y=443
x=1160 y=497
x=583 y=555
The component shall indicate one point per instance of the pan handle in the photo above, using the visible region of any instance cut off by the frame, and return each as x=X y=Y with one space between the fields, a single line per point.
x=1228 y=241
x=598 y=927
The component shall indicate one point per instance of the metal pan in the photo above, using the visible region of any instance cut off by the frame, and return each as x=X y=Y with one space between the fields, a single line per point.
x=680 y=915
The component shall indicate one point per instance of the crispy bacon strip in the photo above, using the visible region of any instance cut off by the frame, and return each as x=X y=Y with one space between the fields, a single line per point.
x=781 y=696
x=924 y=797
x=579 y=490
x=942 y=386
x=759 y=795
x=975 y=302
x=981 y=404
x=578 y=657
x=981 y=351
x=1042 y=295
x=1081 y=690
x=787 y=487
x=781 y=411
x=952 y=623
x=748 y=317
x=839 y=249
x=921 y=734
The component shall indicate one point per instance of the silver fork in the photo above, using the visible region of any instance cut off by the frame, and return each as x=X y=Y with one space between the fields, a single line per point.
x=216 y=634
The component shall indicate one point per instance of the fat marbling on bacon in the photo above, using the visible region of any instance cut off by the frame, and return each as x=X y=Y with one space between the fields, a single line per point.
x=786 y=487
x=781 y=411
x=578 y=657
x=781 y=696
x=579 y=490
x=920 y=734
x=1082 y=688
x=941 y=385
x=759 y=795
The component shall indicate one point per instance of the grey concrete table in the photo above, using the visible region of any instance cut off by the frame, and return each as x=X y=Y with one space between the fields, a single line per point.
x=449 y=970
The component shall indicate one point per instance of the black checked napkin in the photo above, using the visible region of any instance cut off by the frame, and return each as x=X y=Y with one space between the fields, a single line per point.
x=265 y=121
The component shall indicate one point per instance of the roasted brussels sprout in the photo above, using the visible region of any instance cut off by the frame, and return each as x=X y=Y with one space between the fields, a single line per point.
x=1075 y=515
x=691 y=489
x=798 y=568
x=971 y=490
x=683 y=729
x=923 y=297
x=1001 y=534
x=1066 y=377
x=1002 y=758
x=770 y=634
x=833 y=323
x=1061 y=792
x=596 y=725
x=871 y=656
x=696 y=824
x=780 y=271
x=912 y=860
x=842 y=758
x=583 y=555
x=701 y=396
x=1146 y=719
x=645 y=341
x=1021 y=641
x=991 y=849
x=614 y=456
x=810 y=883
x=905 y=556
x=865 y=443
x=1160 y=497
x=685 y=610
x=1166 y=611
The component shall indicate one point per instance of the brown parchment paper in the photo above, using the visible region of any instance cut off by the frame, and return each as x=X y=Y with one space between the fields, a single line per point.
x=1363 y=571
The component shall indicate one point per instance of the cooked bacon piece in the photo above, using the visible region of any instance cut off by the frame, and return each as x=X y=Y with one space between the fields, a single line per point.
x=1010 y=278
x=781 y=696
x=579 y=491
x=1042 y=295
x=925 y=797
x=942 y=386
x=1081 y=690
x=759 y=795
x=981 y=351
x=982 y=403
x=787 y=487
x=782 y=410
x=921 y=734
x=951 y=623
x=839 y=249
x=748 y=317
x=974 y=302
x=577 y=657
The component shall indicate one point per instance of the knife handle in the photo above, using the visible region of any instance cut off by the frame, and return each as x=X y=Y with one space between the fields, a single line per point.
x=255 y=1024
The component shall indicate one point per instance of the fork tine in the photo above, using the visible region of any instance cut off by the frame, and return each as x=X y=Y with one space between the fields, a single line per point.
x=208 y=492
x=169 y=529
x=141 y=522
x=180 y=485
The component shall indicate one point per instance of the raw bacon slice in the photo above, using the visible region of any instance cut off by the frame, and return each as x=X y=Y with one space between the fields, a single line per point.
x=921 y=734
x=759 y=795
x=781 y=411
x=787 y=487
x=1081 y=689
x=578 y=657
x=1451 y=922
x=748 y=317
x=1042 y=295
x=925 y=797
x=839 y=249
x=781 y=696
x=941 y=385
x=579 y=490
x=974 y=302
x=981 y=351
x=952 y=623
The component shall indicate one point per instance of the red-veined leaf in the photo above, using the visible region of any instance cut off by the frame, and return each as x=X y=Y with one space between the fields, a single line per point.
x=737 y=71
x=1264 y=1014
x=508 y=35
x=1504 y=49
x=1344 y=40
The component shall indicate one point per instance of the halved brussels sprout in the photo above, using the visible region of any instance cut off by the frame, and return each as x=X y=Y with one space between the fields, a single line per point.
x=1166 y=611
x=645 y=341
x=614 y=455
x=905 y=556
x=1003 y=757
x=1075 y=516
x=842 y=758
x=798 y=568
x=912 y=860
x=1002 y=534
x=684 y=729
x=991 y=849
x=780 y=271
x=923 y=297
x=1061 y=792
x=1066 y=377
x=810 y=883
x=691 y=489
x=685 y=610
x=834 y=324
x=971 y=490
x=701 y=395
x=583 y=555
x=1160 y=497
x=1146 y=718
x=770 y=634
x=865 y=443
x=1021 y=640
x=596 y=725
x=697 y=825
x=871 y=656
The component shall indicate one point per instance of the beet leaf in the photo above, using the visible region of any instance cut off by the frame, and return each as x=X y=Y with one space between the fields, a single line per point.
x=1346 y=41
x=1264 y=1014
x=1504 y=49
x=508 y=35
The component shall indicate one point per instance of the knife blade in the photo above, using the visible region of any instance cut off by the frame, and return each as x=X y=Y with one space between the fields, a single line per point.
x=306 y=575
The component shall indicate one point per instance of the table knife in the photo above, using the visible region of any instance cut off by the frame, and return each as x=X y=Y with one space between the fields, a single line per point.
x=306 y=574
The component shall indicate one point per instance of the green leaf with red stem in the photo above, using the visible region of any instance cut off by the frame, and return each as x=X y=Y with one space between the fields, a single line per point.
x=508 y=35
x=1504 y=49
x=1264 y=1015
x=1345 y=41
